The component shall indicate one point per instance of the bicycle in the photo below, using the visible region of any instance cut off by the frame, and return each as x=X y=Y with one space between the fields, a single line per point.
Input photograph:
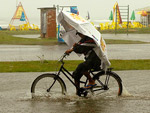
x=52 y=84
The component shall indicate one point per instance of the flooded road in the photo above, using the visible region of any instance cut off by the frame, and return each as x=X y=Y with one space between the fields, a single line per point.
x=15 y=96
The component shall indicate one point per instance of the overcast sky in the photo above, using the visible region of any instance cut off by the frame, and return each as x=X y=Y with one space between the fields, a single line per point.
x=98 y=9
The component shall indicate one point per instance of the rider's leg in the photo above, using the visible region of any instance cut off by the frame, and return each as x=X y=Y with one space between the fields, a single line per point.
x=91 y=81
x=77 y=74
x=77 y=83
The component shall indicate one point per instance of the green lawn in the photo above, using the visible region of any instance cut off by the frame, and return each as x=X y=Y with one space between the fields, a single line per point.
x=37 y=66
x=145 y=30
x=7 y=38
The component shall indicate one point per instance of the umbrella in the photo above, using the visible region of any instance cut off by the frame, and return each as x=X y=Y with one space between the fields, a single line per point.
x=111 y=16
x=72 y=23
x=133 y=16
x=143 y=13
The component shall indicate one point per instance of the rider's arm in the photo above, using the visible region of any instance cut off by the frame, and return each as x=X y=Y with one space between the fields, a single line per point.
x=82 y=48
x=69 y=51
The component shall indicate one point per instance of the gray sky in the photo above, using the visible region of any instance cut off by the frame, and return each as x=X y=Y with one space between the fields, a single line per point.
x=98 y=9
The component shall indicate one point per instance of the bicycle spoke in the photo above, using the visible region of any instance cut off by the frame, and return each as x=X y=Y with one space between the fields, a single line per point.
x=107 y=84
x=48 y=86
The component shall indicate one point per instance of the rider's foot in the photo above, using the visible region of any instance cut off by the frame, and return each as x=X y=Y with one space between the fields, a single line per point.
x=90 y=85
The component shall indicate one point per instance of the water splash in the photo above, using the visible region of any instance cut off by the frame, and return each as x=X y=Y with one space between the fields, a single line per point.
x=125 y=92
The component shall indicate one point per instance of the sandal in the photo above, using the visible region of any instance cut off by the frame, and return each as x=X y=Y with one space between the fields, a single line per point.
x=90 y=86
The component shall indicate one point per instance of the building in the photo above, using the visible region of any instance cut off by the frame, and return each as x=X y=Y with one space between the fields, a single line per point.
x=48 y=22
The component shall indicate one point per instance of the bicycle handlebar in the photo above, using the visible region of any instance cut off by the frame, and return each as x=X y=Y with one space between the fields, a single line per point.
x=62 y=57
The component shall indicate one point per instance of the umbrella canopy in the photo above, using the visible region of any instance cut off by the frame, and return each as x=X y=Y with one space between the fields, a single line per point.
x=72 y=23
x=111 y=16
x=132 y=16
x=142 y=13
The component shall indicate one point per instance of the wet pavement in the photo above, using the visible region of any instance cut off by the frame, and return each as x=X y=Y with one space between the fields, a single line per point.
x=27 y=36
x=36 y=52
x=15 y=96
x=115 y=51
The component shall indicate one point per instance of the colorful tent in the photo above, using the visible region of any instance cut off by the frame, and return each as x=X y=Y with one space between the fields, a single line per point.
x=73 y=23
x=19 y=14
x=132 y=16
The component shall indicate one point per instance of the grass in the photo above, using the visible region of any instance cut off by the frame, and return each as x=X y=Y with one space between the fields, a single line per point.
x=114 y=41
x=7 y=38
x=18 y=32
x=37 y=66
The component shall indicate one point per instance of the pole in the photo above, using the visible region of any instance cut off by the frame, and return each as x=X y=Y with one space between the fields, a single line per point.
x=16 y=3
x=116 y=22
x=128 y=21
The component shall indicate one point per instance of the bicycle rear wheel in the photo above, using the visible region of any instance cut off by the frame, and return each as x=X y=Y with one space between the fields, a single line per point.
x=47 y=85
x=109 y=84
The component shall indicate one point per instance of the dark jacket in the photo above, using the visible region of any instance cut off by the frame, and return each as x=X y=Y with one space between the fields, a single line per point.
x=84 y=46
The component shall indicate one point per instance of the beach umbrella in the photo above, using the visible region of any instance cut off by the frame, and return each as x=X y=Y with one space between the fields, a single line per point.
x=132 y=16
x=111 y=16
x=142 y=13
x=73 y=23
x=22 y=17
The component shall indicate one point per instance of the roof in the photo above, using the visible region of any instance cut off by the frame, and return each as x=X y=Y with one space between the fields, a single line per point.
x=47 y=8
x=145 y=9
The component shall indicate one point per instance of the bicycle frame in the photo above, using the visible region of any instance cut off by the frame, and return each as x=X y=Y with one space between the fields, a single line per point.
x=66 y=73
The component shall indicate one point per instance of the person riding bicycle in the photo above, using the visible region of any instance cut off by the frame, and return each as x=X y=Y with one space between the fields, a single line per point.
x=85 y=46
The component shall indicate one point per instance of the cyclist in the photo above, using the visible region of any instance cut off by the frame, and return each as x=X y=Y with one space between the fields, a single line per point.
x=85 y=46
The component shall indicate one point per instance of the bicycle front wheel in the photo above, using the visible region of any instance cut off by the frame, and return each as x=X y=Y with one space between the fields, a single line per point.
x=109 y=84
x=47 y=85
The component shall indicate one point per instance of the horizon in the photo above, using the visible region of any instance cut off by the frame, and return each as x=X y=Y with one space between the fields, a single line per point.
x=98 y=9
